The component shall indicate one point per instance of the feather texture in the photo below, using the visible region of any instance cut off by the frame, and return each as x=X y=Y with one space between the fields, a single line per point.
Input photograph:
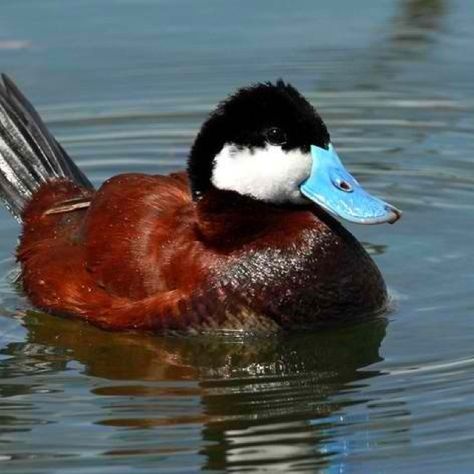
x=29 y=155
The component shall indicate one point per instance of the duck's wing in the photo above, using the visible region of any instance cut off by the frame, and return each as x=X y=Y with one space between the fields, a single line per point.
x=56 y=281
x=128 y=230
x=105 y=263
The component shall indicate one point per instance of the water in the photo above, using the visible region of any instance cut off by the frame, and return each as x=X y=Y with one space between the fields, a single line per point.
x=125 y=84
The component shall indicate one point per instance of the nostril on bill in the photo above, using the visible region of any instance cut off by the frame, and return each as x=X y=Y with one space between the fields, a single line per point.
x=344 y=185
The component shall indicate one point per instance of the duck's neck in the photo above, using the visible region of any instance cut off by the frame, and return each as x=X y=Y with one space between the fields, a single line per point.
x=226 y=218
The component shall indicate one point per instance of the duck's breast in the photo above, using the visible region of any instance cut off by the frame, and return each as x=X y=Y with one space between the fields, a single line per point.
x=305 y=272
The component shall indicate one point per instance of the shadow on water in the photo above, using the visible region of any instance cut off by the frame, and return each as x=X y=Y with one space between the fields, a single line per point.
x=260 y=400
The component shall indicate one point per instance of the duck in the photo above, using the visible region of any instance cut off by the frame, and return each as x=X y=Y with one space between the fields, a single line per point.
x=246 y=239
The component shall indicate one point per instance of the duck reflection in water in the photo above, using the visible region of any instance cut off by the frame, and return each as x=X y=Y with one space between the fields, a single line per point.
x=259 y=401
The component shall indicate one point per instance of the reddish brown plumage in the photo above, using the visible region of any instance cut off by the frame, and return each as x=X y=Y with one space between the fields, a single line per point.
x=145 y=256
x=143 y=252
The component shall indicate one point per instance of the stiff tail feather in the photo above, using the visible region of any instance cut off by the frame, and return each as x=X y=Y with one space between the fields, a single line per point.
x=29 y=154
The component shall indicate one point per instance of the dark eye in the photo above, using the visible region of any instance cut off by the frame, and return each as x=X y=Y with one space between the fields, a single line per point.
x=275 y=136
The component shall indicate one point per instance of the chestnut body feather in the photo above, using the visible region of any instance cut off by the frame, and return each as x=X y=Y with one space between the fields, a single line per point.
x=144 y=255
x=194 y=251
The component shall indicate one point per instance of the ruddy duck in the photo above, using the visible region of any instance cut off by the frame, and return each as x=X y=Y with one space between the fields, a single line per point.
x=244 y=240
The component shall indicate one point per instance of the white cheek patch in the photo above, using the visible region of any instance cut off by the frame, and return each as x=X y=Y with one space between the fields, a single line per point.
x=268 y=174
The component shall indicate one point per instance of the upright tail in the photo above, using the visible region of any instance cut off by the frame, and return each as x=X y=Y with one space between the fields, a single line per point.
x=29 y=154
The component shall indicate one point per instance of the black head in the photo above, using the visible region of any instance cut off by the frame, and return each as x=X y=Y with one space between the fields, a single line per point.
x=251 y=120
